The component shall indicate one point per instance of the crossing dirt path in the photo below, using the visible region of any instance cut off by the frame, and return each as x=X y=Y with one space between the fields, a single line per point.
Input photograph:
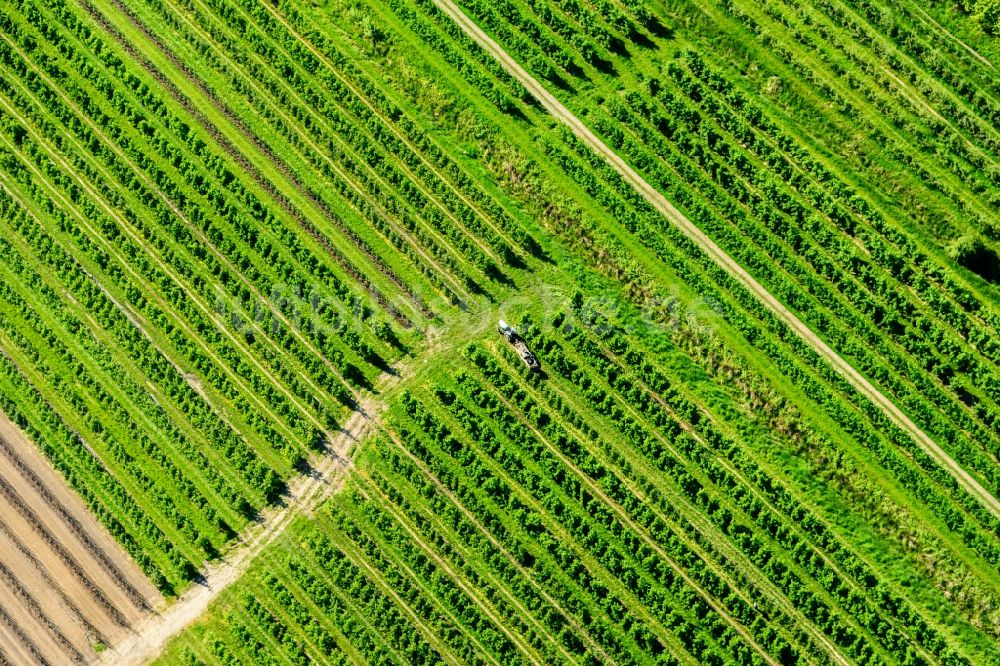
x=68 y=588
x=658 y=201
x=305 y=494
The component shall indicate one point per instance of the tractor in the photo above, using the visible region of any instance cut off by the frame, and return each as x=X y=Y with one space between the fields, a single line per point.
x=511 y=335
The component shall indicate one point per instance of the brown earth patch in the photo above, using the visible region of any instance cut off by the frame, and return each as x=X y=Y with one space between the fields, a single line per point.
x=67 y=587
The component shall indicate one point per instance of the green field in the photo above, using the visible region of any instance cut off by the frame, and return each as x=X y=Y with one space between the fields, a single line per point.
x=228 y=226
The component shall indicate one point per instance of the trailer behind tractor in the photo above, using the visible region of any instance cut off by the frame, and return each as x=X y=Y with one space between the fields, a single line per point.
x=511 y=335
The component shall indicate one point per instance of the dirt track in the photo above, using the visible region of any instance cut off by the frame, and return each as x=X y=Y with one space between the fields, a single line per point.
x=65 y=584
x=561 y=113
x=305 y=493
x=58 y=604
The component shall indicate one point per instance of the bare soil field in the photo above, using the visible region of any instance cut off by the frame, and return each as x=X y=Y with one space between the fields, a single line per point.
x=67 y=587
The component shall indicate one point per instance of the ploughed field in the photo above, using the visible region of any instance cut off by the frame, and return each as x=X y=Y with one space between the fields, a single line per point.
x=69 y=591
x=230 y=231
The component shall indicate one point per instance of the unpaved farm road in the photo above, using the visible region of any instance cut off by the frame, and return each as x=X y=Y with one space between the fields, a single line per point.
x=561 y=113
x=305 y=494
